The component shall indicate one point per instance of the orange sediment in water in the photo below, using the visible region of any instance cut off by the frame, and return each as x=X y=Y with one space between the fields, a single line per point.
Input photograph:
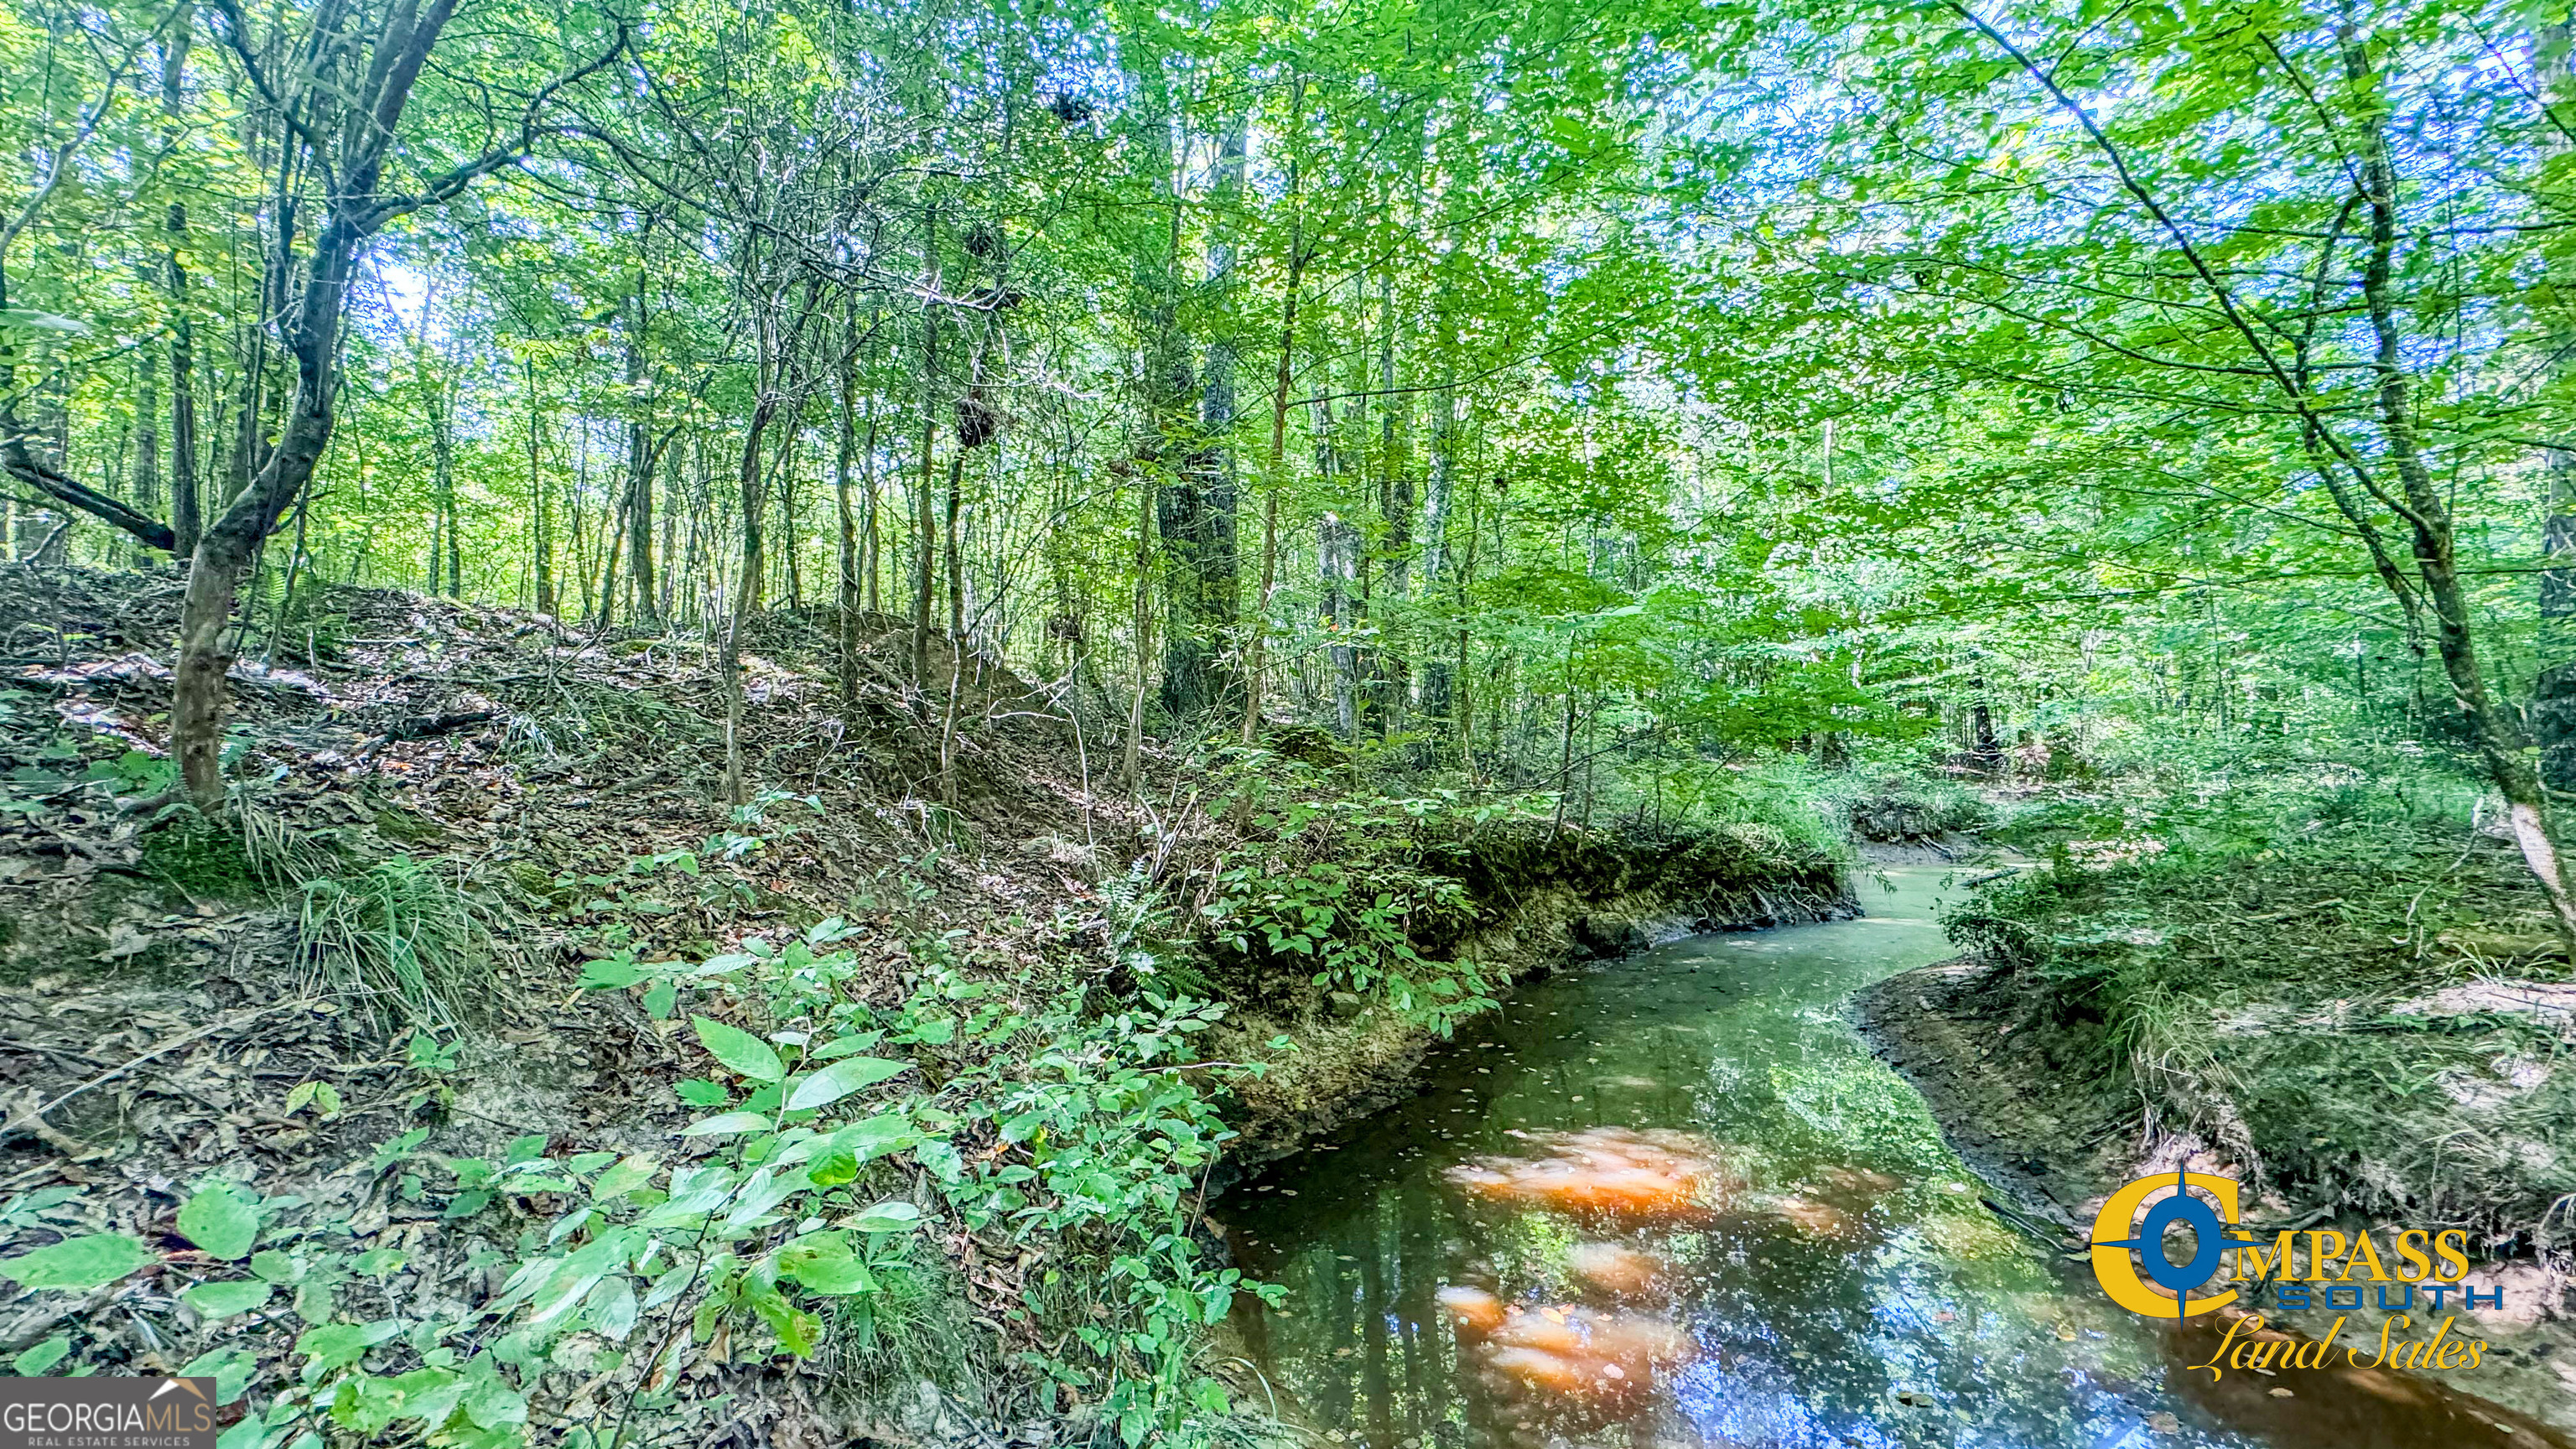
x=1558 y=1357
x=1472 y=1312
x=1605 y=1174
x=1808 y=1216
x=1620 y=1272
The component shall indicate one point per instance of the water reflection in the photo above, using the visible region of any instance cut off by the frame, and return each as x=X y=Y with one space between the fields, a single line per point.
x=1673 y=1202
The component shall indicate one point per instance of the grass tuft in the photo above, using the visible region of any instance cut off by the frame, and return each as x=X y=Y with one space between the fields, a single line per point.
x=396 y=939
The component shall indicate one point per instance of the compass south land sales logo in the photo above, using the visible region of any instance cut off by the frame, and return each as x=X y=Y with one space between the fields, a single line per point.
x=2140 y=1258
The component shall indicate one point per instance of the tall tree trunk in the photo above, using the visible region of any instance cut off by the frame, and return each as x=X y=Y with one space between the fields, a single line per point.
x=1256 y=667
x=871 y=545
x=746 y=594
x=538 y=524
x=1438 y=490
x=1198 y=511
x=640 y=459
x=1337 y=545
x=227 y=545
x=2553 y=704
x=186 y=521
x=612 y=553
x=925 y=536
x=2428 y=517
x=788 y=536
x=1392 y=681
x=954 y=556
x=147 y=433
x=846 y=631
x=442 y=455
x=1130 y=763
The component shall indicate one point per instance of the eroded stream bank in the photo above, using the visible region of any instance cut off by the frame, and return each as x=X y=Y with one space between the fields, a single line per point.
x=1675 y=1200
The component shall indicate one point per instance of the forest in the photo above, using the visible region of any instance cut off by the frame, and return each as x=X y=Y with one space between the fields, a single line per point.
x=739 y=726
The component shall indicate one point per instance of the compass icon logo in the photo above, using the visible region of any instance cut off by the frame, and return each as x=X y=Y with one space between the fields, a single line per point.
x=2131 y=1247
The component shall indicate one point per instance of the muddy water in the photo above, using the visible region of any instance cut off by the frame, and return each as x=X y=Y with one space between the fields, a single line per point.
x=1673 y=1201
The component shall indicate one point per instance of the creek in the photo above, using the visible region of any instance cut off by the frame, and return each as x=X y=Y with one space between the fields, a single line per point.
x=1674 y=1201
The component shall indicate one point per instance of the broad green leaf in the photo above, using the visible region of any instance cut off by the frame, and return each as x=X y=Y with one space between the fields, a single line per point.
x=221 y=1220
x=887 y=1217
x=80 y=1263
x=729 y=1122
x=824 y=1264
x=625 y=1177
x=841 y=1078
x=230 y=1368
x=338 y=1345
x=223 y=1300
x=842 y=1046
x=609 y=975
x=742 y=1053
x=43 y=1356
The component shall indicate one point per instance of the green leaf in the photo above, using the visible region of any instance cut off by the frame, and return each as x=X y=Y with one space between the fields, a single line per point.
x=221 y=1220
x=223 y=1300
x=80 y=1263
x=43 y=1356
x=728 y=1122
x=824 y=1263
x=742 y=1053
x=230 y=1368
x=887 y=1217
x=612 y=1307
x=609 y=975
x=699 y=1093
x=624 y=1178
x=660 y=999
x=841 y=1046
x=492 y=1403
x=338 y=1345
x=841 y=1078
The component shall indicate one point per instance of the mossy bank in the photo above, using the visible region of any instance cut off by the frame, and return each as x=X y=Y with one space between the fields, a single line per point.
x=1529 y=901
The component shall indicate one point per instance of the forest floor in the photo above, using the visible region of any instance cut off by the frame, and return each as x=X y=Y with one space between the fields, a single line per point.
x=453 y=813
x=2361 y=1015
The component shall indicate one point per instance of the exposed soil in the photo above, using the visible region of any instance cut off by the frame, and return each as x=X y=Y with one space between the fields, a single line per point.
x=2023 y=1101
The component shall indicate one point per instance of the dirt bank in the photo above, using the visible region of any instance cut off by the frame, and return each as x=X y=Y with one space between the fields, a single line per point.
x=2026 y=1102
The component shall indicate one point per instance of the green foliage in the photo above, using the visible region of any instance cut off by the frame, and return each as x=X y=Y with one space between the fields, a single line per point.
x=1078 y=1132
x=1099 y=1139
x=1337 y=889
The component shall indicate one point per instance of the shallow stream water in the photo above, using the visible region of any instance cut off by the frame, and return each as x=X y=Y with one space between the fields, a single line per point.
x=1674 y=1201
